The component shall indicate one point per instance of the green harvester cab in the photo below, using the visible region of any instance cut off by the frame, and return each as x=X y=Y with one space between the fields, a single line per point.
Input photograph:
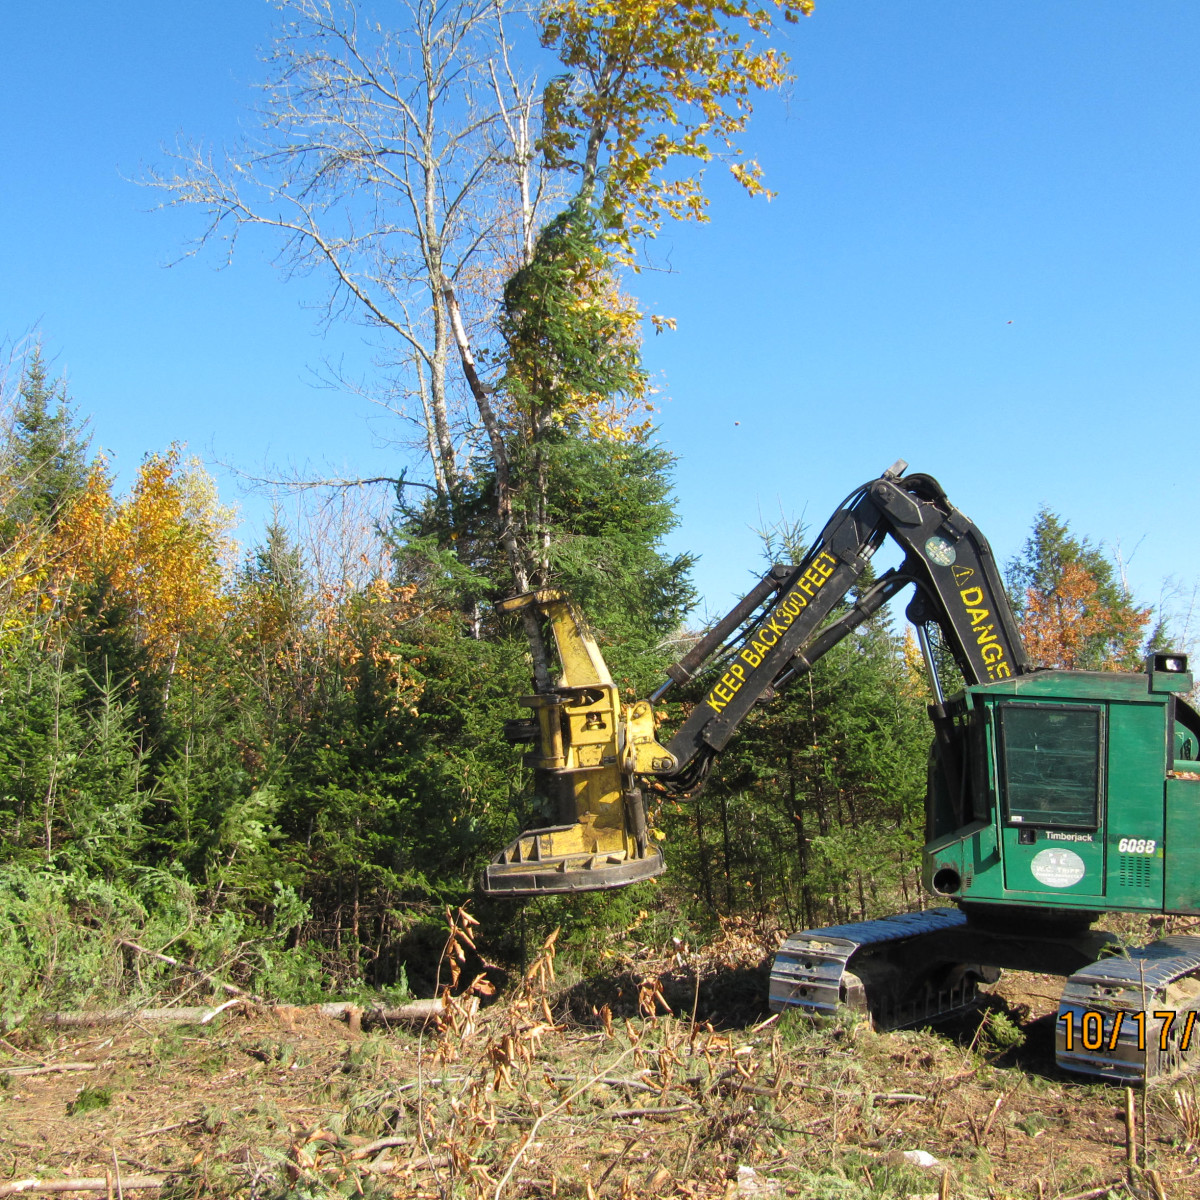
x=1078 y=790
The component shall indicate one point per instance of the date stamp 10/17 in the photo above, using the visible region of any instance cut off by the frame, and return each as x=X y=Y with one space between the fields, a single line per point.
x=1092 y=1034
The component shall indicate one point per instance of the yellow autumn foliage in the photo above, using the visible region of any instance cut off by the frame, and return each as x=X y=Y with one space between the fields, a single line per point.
x=657 y=83
x=159 y=555
x=343 y=629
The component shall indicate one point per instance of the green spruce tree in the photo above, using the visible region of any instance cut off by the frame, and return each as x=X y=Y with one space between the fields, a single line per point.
x=46 y=459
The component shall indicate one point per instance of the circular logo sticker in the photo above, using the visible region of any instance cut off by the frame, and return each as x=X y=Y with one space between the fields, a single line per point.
x=940 y=551
x=1057 y=868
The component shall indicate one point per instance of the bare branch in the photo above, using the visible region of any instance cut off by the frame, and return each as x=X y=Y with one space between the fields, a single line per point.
x=391 y=162
x=291 y=486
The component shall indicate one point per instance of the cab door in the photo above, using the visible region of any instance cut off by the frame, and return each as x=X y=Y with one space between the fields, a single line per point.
x=1051 y=772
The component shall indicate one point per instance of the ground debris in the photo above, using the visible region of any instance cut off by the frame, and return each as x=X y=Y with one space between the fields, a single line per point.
x=919 y=1158
x=751 y=1183
x=524 y=1099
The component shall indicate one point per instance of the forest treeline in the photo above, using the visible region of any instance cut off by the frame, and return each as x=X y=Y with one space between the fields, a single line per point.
x=281 y=761
x=284 y=763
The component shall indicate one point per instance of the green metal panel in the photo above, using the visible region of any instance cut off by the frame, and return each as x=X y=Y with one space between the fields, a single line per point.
x=1064 y=866
x=1137 y=775
x=1111 y=861
x=1074 y=685
x=1040 y=766
x=1181 y=886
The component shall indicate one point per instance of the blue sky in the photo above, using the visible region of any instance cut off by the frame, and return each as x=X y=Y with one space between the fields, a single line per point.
x=982 y=257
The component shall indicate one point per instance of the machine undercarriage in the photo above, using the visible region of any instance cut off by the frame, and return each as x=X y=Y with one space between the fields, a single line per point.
x=1126 y=1014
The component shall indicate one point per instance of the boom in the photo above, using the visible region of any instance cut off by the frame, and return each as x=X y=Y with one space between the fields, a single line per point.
x=592 y=756
x=946 y=558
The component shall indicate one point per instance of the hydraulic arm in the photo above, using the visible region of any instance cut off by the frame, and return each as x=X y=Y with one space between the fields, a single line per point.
x=946 y=558
x=593 y=755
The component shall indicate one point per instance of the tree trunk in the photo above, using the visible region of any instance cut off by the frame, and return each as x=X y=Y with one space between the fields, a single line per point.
x=702 y=848
x=725 y=846
x=51 y=796
x=517 y=561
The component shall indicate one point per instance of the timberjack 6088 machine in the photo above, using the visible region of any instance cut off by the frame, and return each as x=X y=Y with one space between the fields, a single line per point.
x=1053 y=795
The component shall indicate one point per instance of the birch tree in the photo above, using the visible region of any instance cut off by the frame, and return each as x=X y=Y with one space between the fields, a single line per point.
x=399 y=163
x=654 y=91
x=649 y=84
x=409 y=164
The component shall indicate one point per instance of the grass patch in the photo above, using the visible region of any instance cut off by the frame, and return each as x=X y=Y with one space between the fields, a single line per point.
x=89 y=1100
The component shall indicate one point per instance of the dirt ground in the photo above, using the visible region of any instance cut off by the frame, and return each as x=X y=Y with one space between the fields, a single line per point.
x=562 y=1088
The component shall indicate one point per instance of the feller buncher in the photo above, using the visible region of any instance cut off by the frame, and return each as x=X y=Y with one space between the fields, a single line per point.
x=1054 y=796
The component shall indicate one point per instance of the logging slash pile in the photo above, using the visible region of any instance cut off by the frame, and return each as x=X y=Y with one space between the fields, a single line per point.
x=558 y=1088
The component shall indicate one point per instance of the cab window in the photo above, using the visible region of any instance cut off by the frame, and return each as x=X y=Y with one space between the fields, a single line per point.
x=1051 y=759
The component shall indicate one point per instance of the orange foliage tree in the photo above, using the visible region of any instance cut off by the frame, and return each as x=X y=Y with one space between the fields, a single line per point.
x=1061 y=628
x=1074 y=612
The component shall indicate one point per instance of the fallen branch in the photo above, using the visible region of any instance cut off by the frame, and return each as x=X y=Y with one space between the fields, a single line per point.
x=388 y=1166
x=393 y=1166
x=415 y=1010
x=648 y=1112
x=636 y=1084
x=987 y=1125
x=629 y=1145
x=382 y=1144
x=17 y=1049
x=1095 y=1193
x=67 y=1066
x=80 y=1185
x=113 y=1016
x=220 y=1009
x=890 y=1097
x=174 y=962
